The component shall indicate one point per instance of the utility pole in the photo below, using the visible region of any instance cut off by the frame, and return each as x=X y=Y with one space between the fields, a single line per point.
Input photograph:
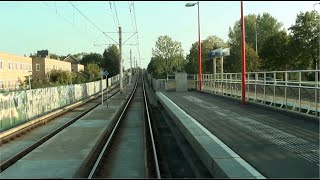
x=130 y=67
x=120 y=66
x=137 y=67
x=134 y=64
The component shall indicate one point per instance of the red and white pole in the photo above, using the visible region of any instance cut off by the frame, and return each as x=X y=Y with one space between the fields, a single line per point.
x=200 y=57
x=243 y=51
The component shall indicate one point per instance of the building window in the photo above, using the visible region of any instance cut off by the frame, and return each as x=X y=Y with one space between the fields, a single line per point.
x=0 y=64
x=30 y=69
x=37 y=67
x=20 y=66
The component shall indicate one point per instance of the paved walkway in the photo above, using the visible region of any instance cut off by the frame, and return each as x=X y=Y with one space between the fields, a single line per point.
x=276 y=144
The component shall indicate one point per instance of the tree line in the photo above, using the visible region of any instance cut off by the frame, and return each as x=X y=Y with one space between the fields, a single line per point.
x=269 y=47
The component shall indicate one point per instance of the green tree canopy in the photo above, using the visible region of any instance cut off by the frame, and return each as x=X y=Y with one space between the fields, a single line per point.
x=93 y=70
x=305 y=40
x=111 y=60
x=274 y=53
x=92 y=58
x=170 y=52
x=263 y=26
x=157 y=68
x=192 y=59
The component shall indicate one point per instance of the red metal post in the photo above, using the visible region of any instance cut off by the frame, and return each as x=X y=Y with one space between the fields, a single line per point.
x=243 y=79
x=200 y=57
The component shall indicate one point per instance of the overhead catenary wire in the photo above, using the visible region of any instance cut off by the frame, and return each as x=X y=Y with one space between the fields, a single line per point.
x=137 y=37
x=90 y=21
x=114 y=20
x=55 y=10
x=115 y=8
x=131 y=16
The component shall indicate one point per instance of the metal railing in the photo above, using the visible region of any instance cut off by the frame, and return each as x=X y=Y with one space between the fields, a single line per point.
x=293 y=90
x=297 y=90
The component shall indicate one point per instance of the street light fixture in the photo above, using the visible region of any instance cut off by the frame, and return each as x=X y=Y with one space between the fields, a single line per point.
x=200 y=58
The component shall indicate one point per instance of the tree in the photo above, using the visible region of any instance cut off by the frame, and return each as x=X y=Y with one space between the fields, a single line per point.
x=58 y=57
x=93 y=70
x=157 y=68
x=305 y=40
x=79 y=56
x=60 y=77
x=252 y=59
x=92 y=58
x=275 y=53
x=170 y=52
x=111 y=60
x=79 y=77
x=210 y=43
x=233 y=63
x=266 y=27
x=263 y=26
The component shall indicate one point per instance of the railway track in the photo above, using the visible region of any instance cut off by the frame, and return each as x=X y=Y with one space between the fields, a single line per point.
x=76 y=112
x=143 y=142
x=130 y=149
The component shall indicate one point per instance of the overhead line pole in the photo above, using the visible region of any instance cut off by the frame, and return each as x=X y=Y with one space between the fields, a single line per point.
x=130 y=67
x=120 y=66
x=243 y=51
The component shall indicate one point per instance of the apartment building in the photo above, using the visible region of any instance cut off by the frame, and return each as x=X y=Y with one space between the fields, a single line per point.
x=13 y=70
x=75 y=64
x=41 y=66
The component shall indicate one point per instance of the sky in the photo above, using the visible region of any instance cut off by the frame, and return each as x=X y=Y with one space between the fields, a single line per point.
x=70 y=27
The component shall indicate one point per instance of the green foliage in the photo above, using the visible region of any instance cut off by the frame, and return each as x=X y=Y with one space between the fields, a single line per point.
x=210 y=43
x=92 y=58
x=233 y=63
x=263 y=26
x=305 y=40
x=252 y=59
x=266 y=27
x=79 y=77
x=80 y=55
x=157 y=68
x=170 y=52
x=60 y=77
x=275 y=52
x=111 y=60
x=55 y=56
x=93 y=70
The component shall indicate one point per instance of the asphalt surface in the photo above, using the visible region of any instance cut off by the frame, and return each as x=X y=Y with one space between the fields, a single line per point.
x=276 y=144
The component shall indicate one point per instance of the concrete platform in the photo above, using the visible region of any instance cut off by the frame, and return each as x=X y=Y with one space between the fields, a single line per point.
x=244 y=141
x=67 y=154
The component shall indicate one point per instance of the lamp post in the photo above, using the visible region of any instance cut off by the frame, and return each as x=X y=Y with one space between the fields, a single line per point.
x=243 y=79
x=200 y=58
x=317 y=63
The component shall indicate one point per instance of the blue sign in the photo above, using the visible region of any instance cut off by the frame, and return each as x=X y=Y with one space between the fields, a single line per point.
x=106 y=73
x=219 y=52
